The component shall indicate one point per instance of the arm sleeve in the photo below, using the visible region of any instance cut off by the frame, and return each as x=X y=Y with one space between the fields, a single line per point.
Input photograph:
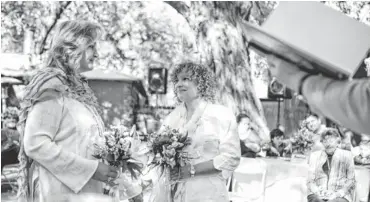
x=42 y=125
x=311 y=185
x=350 y=182
x=229 y=158
x=346 y=102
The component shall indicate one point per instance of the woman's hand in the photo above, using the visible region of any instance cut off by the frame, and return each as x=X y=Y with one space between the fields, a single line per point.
x=180 y=173
x=105 y=173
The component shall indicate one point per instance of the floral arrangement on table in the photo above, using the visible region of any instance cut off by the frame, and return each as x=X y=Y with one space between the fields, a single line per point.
x=10 y=112
x=302 y=140
x=117 y=151
x=167 y=148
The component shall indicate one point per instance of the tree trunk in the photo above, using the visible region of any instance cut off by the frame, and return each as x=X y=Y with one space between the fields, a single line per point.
x=221 y=45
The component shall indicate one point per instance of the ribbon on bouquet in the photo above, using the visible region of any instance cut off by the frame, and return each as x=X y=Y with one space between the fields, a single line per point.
x=123 y=187
x=162 y=187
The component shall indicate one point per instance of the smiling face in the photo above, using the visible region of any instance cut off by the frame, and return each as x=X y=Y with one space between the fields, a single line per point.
x=186 y=88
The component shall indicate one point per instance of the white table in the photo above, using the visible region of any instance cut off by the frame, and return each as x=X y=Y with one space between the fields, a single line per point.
x=283 y=181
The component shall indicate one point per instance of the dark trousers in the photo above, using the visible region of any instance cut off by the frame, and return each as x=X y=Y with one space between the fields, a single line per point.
x=315 y=198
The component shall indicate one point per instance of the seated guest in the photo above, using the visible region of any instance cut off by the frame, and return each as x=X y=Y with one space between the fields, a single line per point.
x=331 y=171
x=9 y=137
x=314 y=125
x=347 y=137
x=362 y=152
x=249 y=139
x=279 y=146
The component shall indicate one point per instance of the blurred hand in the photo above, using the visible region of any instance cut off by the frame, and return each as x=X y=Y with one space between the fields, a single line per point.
x=105 y=173
x=287 y=73
x=275 y=151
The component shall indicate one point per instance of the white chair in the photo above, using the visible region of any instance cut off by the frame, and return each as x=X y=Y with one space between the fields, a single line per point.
x=248 y=181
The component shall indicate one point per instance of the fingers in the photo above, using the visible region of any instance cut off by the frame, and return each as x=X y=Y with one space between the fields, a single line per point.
x=112 y=174
x=174 y=174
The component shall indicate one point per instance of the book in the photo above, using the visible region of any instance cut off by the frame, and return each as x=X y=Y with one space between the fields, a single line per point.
x=335 y=44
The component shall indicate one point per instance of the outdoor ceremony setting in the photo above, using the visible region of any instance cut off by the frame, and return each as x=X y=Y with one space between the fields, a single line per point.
x=185 y=101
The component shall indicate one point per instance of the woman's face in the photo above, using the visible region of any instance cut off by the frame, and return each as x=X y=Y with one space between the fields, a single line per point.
x=186 y=88
x=88 y=57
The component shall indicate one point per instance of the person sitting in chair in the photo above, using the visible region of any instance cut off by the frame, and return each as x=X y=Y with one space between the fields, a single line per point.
x=249 y=139
x=279 y=146
x=331 y=171
x=362 y=152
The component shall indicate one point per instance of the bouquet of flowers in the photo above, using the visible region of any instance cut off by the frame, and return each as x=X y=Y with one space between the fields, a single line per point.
x=167 y=148
x=118 y=149
x=302 y=140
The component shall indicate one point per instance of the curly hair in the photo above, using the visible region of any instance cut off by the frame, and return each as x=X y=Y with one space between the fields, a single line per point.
x=203 y=77
x=71 y=39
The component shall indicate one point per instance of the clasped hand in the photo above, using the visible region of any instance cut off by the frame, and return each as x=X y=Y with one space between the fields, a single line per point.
x=105 y=173
x=180 y=173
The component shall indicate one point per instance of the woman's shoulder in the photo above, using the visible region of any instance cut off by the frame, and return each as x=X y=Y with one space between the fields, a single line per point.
x=176 y=111
x=44 y=86
x=220 y=111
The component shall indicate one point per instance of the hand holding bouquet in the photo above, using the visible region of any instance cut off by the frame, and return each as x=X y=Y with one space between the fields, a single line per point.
x=118 y=151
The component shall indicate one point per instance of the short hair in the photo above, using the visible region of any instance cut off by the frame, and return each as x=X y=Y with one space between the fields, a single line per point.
x=329 y=132
x=276 y=133
x=241 y=116
x=203 y=76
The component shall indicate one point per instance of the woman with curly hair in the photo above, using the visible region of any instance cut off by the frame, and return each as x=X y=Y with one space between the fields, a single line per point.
x=60 y=123
x=215 y=146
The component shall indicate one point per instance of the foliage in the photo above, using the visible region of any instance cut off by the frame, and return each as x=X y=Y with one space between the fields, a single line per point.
x=140 y=35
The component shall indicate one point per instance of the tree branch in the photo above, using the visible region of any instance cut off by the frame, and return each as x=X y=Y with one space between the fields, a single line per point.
x=57 y=17
x=180 y=7
x=119 y=51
